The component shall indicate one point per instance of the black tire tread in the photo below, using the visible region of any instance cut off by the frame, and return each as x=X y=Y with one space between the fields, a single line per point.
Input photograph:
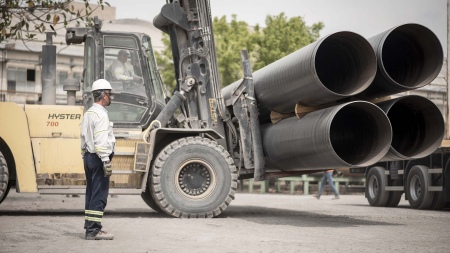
x=148 y=199
x=427 y=197
x=438 y=198
x=395 y=196
x=4 y=178
x=383 y=196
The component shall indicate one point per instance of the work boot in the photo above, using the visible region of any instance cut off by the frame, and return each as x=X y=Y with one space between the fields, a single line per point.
x=102 y=235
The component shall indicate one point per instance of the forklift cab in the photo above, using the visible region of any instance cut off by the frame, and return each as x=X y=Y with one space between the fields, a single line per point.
x=127 y=61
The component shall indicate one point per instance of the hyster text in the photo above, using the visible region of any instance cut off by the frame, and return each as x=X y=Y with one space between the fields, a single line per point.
x=63 y=116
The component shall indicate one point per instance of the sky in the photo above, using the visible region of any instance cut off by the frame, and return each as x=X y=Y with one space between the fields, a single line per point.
x=366 y=17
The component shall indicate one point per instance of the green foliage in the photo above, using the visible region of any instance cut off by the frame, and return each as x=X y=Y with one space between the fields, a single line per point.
x=164 y=60
x=280 y=37
x=22 y=19
x=283 y=36
x=230 y=39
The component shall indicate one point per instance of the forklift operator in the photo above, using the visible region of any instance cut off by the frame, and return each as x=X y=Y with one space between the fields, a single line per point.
x=118 y=69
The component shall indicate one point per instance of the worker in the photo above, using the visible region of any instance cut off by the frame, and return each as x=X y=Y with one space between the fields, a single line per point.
x=328 y=176
x=118 y=69
x=97 y=148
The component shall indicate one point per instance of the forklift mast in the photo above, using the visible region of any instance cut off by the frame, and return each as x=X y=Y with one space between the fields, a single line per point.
x=189 y=25
x=198 y=89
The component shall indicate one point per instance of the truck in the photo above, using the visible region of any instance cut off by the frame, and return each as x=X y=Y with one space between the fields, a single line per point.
x=424 y=181
x=185 y=154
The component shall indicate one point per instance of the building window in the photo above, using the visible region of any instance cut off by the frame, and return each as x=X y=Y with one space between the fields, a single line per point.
x=60 y=78
x=21 y=80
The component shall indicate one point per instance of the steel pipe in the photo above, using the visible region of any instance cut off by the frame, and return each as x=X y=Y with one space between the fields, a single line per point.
x=417 y=125
x=357 y=133
x=337 y=66
x=408 y=57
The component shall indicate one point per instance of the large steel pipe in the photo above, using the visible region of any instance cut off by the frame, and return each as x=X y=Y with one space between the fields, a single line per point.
x=417 y=126
x=408 y=57
x=353 y=134
x=339 y=65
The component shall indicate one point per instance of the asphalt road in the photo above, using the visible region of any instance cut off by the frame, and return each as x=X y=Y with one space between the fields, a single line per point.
x=252 y=223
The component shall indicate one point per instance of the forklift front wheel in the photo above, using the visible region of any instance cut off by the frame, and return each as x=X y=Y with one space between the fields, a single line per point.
x=193 y=177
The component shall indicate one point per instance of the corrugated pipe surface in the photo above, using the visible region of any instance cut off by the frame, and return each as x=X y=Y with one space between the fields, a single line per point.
x=353 y=134
x=408 y=57
x=417 y=126
x=337 y=66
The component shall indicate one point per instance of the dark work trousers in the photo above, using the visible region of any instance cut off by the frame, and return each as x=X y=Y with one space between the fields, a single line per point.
x=97 y=187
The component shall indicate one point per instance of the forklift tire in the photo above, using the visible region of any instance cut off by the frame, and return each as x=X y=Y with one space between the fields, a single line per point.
x=416 y=190
x=193 y=177
x=148 y=199
x=4 y=178
x=376 y=183
x=395 y=196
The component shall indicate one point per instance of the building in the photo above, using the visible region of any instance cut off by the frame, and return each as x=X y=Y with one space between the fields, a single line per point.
x=21 y=62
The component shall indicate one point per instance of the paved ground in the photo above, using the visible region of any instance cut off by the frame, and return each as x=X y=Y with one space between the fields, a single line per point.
x=253 y=223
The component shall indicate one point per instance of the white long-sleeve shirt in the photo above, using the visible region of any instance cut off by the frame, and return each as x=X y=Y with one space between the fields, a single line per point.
x=97 y=133
x=120 y=71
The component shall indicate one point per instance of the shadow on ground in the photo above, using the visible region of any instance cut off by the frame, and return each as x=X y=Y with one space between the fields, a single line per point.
x=261 y=215
x=275 y=216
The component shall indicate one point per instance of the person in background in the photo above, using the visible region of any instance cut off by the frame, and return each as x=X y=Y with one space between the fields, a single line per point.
x=328 y=176
x=97 y=149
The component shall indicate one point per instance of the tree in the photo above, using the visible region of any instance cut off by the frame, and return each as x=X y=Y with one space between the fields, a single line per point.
x=164 y=60
x=282 y=36
x=230 y=39
x=22 y=19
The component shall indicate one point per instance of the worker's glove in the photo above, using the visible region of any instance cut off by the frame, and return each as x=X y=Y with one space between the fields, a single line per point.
x=107 y=169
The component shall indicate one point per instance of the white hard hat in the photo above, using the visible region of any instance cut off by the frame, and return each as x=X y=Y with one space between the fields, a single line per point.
x=101 y=84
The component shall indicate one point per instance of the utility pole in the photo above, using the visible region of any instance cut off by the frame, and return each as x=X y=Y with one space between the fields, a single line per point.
x=49 y=71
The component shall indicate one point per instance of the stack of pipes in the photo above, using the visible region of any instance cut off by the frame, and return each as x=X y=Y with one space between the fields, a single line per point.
x=351 y=78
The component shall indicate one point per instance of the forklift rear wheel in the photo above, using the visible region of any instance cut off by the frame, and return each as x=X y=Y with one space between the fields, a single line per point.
x=193 y=177
x=4 y=178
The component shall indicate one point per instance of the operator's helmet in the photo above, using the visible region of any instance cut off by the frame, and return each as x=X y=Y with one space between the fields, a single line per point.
x=101 y=84
x=123 y=52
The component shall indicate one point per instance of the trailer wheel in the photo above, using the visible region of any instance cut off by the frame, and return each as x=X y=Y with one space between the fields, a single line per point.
x=394 y=196
x=438 y=197
x=376 y=182
x=417 y=184
x=193 y=177
x=4 y=178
